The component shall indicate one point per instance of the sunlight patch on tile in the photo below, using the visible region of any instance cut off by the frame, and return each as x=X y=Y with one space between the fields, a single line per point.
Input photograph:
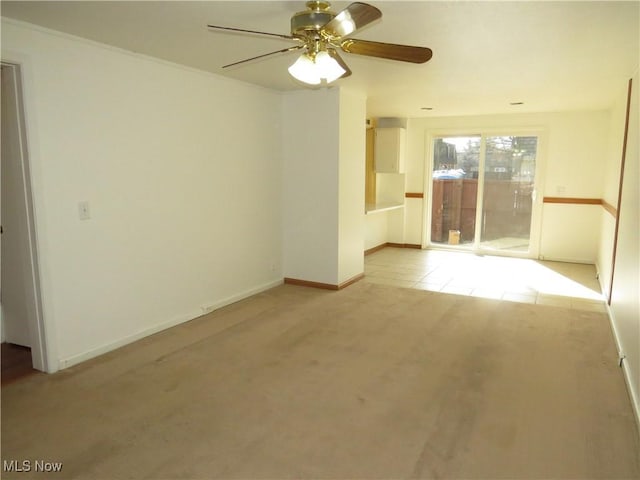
x=512 y=279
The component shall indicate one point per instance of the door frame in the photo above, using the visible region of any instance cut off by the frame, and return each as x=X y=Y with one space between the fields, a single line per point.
x=39 y=357
x=536 y=210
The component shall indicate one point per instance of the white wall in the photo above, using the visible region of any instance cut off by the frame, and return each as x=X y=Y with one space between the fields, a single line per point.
x=611 y=182
x=310 y=185
x=386 y=226
x=625 y=303
x=323 y=191
x=413 y=208
x=570 y=232
x=351 y=184
x=182 y=171
x=572 y=150
x=376 y=230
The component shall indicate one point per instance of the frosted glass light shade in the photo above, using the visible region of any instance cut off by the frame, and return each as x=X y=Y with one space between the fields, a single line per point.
x=304 y=70
x=328 y=67
x=313 y=71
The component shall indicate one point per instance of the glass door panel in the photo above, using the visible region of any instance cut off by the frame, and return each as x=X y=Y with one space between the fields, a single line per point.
x=454 y=192
x=509 y=176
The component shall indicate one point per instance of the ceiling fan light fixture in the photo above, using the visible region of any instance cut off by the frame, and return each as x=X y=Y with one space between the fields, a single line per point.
x=319 y=32
x=313 y=70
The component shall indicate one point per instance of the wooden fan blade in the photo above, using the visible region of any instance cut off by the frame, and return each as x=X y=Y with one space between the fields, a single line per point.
x=242 y=30
x=332 y=53
x=391 y=51
x=352 y=18
x=290 y=49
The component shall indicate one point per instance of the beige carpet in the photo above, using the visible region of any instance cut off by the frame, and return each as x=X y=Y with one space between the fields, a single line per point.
x=369 y=382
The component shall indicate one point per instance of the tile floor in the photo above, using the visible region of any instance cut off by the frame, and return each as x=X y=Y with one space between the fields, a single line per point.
x=571 y=285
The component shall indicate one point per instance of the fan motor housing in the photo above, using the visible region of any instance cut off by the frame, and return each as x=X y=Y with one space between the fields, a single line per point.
x=313 y=19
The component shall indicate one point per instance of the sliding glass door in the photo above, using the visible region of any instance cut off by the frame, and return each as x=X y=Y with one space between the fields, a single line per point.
x=482 y=192
x=508 y=189
x=454 y=192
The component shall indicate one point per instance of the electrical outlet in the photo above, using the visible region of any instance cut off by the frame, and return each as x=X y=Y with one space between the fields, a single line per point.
x=621 y=357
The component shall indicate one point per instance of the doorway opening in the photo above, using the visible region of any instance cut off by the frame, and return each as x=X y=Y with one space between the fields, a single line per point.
x=21 y=311
x=16 y=363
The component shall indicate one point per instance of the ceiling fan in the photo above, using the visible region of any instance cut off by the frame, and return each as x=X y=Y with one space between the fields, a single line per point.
x=320 y=33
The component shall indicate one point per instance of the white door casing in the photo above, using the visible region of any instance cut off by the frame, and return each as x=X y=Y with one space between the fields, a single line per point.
x=19 y=280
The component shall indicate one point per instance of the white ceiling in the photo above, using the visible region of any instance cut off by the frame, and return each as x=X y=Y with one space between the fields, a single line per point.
x=553 y=56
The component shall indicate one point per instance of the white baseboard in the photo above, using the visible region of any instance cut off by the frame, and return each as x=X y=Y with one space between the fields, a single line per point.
x=633 y=396
x=215 y=305
x=567 y=260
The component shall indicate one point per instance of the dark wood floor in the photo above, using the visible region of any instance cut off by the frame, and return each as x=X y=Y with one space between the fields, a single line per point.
x=16 y=363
